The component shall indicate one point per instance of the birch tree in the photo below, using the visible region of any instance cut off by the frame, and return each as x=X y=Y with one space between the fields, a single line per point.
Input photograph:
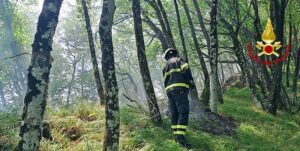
x=112 y=122
x=213 y=53
x=38 y=77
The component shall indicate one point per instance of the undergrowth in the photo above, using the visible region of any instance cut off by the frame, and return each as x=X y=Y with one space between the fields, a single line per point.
x=81 y=128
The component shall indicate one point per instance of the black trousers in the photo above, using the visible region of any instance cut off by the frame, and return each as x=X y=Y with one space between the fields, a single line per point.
x=179 y=107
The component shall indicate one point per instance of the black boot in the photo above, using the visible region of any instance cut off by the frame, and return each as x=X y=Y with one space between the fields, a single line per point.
x=181 y=141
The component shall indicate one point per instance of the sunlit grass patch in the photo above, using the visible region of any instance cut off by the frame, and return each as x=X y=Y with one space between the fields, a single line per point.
x=73 y=128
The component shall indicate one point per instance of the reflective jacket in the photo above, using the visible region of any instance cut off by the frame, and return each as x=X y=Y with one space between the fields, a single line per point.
x=177 y=75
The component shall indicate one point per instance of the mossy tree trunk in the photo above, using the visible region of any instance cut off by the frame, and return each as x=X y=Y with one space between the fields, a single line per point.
x=213 y=57
x=112 y=123
x=143 y=64
x=38 y=77
x=93 y=52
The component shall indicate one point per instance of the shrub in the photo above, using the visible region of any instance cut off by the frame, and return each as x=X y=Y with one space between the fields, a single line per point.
x=73 y=133
x=85 y=112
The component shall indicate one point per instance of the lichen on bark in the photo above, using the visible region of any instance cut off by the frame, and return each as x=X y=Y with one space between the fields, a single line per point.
x=38 y=77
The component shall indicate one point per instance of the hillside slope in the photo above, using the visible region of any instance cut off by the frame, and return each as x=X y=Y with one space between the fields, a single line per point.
x=81 y=128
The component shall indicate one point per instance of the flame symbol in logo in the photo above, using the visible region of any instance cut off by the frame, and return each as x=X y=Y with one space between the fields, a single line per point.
x=268 y=38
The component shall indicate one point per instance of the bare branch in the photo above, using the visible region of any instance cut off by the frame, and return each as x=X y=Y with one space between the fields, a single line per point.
x=15 y=56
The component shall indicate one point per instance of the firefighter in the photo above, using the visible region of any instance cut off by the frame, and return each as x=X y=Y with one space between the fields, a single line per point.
x=177 y=81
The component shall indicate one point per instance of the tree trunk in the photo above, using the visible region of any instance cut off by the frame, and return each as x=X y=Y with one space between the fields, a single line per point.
x=205 y=94
x=223 y=74
x=185 y=56
x=3 y=101
x=296 y=75
x=167 y=24
x=242 y=61
x=93 y=52
x=256 y=19
x=158 y=32
x=207 y=39
x=277 y=13
x=194 y=93
x=38 y=77
x=160 y=18
x=74 y=64
x=266 y=77
x=81 y=80
x=112 y=123
x=244 y=67
x=144 y=69
x=202 y=26
x=289 y=56
x=251 y=81
x=213 y=57
x=296 y=64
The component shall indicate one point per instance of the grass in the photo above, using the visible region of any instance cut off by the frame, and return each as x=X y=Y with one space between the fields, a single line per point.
x=8 y=133
x=257 y=131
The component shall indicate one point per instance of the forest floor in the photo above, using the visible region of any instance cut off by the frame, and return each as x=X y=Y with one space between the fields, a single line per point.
x=81 y=128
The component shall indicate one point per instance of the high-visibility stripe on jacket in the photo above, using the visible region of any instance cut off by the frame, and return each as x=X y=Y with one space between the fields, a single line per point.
x=177 y=74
